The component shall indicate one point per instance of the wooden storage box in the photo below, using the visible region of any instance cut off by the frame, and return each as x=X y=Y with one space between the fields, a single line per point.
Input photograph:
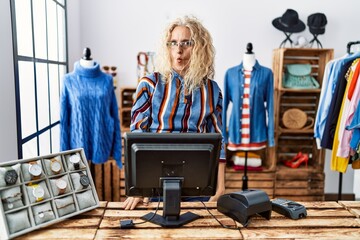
x=291 y=141
x=264 y=180
x=126 y=102
x=318 y=58
x=109 y=181
x=305 y=185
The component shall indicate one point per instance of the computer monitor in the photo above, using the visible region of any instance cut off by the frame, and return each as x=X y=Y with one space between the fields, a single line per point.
x=171 y=165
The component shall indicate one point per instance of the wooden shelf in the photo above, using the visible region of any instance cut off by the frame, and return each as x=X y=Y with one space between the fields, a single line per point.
x=126 y=101
x=297 y=90
x=303 y=183
x=295 y=131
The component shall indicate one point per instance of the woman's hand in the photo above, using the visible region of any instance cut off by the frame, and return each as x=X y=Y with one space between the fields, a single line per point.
x=218 y=193
x=131 y=202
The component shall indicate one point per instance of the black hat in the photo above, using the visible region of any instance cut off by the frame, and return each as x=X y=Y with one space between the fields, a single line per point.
x=289 y=22
x=316 y=23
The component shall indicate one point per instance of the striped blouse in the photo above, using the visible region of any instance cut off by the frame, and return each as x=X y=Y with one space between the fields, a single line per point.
x=164 y=107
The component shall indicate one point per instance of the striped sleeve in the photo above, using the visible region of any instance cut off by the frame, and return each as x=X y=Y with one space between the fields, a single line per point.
x=141 y=109
x=214 y=123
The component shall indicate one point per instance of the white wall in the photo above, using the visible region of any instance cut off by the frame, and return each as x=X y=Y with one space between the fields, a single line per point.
x=8 y=145
x=116 y=30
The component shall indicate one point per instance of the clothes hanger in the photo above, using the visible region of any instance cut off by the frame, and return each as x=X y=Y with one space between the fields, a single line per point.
x=348 y=47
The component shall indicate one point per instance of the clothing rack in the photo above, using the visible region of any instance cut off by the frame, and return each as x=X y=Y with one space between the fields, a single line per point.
x=348 y=47
x=348 y=50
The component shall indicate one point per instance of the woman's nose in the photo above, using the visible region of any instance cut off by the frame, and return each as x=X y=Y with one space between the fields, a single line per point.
x=179 y=49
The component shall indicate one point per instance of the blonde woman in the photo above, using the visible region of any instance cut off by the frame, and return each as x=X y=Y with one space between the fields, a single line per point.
x=181 y=95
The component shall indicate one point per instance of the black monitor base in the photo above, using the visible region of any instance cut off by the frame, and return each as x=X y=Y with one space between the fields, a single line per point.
x=162 y=221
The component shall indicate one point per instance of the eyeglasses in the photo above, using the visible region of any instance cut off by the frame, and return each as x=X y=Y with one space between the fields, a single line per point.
x=184 y=44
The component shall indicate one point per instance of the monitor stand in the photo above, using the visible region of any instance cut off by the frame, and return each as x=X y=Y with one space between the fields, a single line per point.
x=171 y=217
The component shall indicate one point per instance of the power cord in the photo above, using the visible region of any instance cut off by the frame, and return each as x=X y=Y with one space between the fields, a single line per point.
x=222 y=225
x=126 y=224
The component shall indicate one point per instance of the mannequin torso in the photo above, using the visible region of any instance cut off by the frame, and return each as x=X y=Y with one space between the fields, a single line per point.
x=86 y=63
x=249 y=61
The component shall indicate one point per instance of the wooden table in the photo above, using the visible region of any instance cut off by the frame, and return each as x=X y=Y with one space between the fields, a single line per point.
x=325 y=220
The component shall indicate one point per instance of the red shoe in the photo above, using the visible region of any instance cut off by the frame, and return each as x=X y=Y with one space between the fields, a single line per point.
x=296 y=157
x=297 y=163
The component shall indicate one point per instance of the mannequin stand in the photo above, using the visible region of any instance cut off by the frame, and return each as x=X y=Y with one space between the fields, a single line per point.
x=315 y=39
x=245 y=177
x=283 y=43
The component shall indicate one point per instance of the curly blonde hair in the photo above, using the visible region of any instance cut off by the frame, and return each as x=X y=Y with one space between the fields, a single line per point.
x=201 y=65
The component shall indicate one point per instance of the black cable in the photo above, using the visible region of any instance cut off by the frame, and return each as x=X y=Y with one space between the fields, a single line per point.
x=222 y=225
x=131 y=224
x=154 y=213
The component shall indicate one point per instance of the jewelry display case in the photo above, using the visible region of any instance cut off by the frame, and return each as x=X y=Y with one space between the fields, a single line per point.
x=44 y=190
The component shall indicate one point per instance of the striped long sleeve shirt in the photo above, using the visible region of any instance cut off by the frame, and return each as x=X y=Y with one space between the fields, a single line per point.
x=166 y=107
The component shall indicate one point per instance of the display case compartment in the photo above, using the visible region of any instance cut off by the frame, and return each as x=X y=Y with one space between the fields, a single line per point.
x=52 y=206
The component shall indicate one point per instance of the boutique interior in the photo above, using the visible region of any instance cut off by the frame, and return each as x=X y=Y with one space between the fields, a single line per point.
x=286 y=128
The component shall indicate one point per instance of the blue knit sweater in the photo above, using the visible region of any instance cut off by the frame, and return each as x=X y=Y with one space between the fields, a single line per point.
x=89 y=114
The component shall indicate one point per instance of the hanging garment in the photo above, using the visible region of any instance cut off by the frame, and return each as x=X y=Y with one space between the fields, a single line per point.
x=356 y=158
x=352 y=99
x=261 y=105
x=334 y=109
x=340 y=164
x=327 y=91
x=355 y=126
x=89 y=115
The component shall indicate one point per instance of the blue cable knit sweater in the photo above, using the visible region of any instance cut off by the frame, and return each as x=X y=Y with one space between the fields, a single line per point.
x=89 y=114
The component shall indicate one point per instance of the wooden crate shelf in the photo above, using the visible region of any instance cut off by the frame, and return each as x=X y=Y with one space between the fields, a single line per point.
x=108 y=180
x=126 y=102
x=300 y=184
x=304 y=184
x=264 y=180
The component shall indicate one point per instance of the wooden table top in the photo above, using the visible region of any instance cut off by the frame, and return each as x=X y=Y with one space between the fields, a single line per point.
x=325 y=220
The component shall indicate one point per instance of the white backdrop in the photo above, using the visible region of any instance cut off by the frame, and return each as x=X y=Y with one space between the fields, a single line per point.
x=116 y=30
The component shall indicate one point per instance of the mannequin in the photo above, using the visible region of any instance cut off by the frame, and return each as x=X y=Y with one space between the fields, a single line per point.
x=249 y=87
x=248 y=64
x=86 y=60
x=249 y=57
x=89 y=112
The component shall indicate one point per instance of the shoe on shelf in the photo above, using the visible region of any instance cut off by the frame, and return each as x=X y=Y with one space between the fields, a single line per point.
x=296 y=157
x=303 y=159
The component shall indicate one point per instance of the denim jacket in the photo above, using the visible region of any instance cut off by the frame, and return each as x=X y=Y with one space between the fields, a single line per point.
x=261 y=115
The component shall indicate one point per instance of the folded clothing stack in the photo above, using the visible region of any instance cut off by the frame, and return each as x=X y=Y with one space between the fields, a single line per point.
x=253 y=161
